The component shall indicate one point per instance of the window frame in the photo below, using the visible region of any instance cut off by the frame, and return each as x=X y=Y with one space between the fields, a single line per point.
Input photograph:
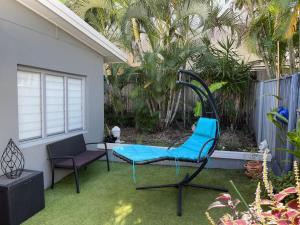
x=45 y=138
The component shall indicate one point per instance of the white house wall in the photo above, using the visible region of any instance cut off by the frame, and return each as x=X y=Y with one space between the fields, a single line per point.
x=27 y=39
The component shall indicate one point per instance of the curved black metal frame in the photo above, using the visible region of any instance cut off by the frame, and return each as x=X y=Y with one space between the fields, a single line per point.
x=186 y=182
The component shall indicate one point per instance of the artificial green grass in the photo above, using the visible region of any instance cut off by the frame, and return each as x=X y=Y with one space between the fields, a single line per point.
x=110 y=198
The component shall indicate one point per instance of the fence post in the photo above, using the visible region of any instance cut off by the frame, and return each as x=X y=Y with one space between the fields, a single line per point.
x=292 y=124
x=260 y=112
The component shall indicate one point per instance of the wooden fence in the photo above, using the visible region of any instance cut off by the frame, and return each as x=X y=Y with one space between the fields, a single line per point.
x=186 y=106
x=263 y=101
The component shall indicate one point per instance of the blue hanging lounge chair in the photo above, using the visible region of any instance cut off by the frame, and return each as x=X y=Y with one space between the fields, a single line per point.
x=197 y=148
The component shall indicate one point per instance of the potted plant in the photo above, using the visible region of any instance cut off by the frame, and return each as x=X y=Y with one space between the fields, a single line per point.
x=109 y=138
x=254 y=167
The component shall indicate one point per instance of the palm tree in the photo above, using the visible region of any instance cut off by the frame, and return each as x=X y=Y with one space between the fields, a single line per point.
x=160 y=22
x=103 y=15
x=293 y=19
x=157 y=75
x=272 y=22
x=174 y=32
x=171 y=30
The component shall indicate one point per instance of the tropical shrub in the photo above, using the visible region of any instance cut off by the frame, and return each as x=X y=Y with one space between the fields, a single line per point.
x=156 y=89
x=117 y=78
x=277 y=119
x=263 y=211
x=293 y=137
x=271 y=30
x=162 y=36
x=221 y=63
x=145 y=121
x=198 y=109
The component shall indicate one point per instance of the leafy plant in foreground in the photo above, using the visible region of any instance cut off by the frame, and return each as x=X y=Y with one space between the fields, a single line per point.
x=280 y=183
x=262 y=211
x=293 y=137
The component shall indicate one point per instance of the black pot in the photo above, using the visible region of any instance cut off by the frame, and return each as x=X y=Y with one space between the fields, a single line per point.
x=110 y=139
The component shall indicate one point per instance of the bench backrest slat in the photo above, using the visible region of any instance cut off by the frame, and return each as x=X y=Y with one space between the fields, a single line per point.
x=68 y=147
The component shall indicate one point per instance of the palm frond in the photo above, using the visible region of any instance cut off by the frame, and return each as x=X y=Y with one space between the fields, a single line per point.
x=80 y=7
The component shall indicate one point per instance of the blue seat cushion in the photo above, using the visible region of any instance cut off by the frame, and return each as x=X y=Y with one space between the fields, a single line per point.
x=206 y=127
x=140 y=153
x=205 y=130
x=191 y=148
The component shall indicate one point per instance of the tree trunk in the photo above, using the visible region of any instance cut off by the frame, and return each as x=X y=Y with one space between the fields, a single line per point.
x=176 y=107
x=262 y=54
x=169 y=108
x=291 y=56
x=137 y=36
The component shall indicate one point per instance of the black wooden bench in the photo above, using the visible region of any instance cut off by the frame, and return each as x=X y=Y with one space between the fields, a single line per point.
x=71 y=153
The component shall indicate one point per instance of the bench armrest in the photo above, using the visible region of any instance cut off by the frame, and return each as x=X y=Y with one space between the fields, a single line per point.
x=204 y=145
x=94 y=143
x=100 y=142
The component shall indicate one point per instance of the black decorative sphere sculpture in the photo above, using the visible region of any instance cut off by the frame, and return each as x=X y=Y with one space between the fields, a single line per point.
x=12 y=161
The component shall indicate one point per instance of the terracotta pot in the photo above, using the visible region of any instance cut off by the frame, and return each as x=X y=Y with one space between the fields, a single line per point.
x=253 y=169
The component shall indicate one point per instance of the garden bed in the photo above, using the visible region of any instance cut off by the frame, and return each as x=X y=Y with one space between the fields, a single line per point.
x=233 y=150
x=229 y=140
x=219 y=159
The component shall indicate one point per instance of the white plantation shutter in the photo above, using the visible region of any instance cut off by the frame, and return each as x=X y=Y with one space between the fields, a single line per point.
x=49 y=103
x=75 y=104
x=55 y=108
x=29 y=105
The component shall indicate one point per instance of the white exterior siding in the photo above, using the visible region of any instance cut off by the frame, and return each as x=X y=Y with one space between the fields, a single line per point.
x=26 y=39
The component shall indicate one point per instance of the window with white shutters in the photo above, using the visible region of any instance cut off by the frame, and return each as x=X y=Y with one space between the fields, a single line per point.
x=55 y=105
x=49 y=103
x=75 y=104
x=29 y=105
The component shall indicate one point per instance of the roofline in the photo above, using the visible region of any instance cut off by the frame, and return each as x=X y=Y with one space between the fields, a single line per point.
x=71 y=23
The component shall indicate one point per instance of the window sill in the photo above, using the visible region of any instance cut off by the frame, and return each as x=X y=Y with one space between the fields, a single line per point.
x=32 y=143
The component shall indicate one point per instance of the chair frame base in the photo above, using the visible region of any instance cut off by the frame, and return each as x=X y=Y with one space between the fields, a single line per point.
x=186 y=182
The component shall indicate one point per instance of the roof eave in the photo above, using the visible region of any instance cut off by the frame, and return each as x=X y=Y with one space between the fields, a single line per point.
x=64 y=18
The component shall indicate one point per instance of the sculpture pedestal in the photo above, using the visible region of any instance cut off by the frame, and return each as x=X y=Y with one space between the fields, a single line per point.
x=21 y=198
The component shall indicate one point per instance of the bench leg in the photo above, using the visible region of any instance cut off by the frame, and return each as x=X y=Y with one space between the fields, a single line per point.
x=52 y=179
x=179 y=204
x=107 y=161
x=76 y=180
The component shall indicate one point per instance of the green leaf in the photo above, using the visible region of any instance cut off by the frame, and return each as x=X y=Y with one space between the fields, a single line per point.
x=273 y=117
x=296 y=152
x=216 y=86
x=279 y=116
x=196 y=83
x=213 y=87
x=198 y=109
